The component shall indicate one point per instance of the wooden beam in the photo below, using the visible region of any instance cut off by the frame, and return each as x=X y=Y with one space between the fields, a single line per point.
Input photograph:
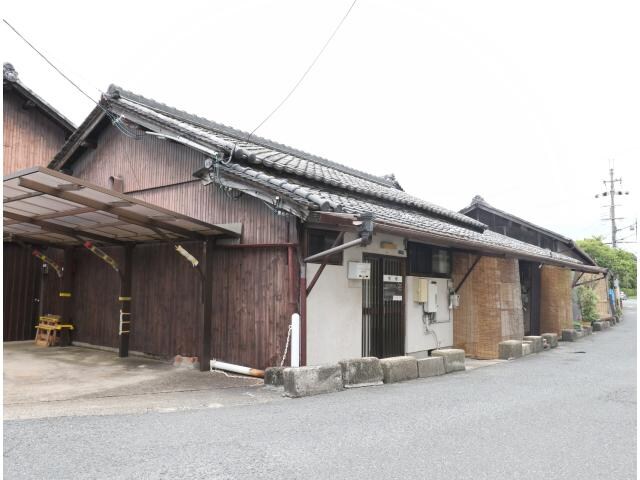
x=21 y=197
x=120 y=212
x=66 y=213
x=207 y=307
x=125 y=302
x=54 y=227
x=336 y=242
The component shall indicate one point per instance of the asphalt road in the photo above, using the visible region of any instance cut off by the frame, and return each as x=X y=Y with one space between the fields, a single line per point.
x=568 y=413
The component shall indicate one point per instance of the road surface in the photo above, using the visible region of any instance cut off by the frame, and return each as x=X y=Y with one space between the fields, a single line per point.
x=564 y=414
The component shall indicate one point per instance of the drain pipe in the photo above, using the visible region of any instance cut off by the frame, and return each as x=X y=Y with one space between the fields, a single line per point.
x=230 y=367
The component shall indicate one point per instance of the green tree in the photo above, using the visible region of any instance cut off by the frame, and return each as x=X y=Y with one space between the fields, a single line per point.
x=588 y=301
x=622 y=263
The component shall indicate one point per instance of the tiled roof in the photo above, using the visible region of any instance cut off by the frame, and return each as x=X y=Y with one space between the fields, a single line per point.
x=276 y=157
x=10 y=80
x=403 y=217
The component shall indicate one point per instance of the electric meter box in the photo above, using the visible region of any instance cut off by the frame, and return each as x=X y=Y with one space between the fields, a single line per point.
x=359 y=271
x=420 y=287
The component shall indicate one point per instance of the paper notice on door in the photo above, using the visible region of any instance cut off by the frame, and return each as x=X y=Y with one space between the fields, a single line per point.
x=397 y=298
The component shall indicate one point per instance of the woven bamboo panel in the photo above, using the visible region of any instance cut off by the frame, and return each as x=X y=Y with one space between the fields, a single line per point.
x=490 y=305
x=601 y=289
x=555 y=299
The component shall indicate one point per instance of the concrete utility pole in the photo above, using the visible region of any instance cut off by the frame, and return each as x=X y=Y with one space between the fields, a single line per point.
x=611 y=183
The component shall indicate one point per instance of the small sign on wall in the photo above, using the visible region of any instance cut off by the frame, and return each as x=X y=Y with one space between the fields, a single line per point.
x=392 y=278
x=359 y=271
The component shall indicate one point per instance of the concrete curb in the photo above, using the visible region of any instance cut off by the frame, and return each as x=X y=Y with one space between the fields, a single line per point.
x=274 y=377
x=398 y=369
x=569 y=335
x=306 y=381
x=551 y=338
x=431 y=367
x=509 y=349
x=536 y=343
x=453 y=359
x=361 y=372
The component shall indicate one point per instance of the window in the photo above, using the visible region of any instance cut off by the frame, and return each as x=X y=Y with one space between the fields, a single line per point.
x=321 y=240
x=428 y=260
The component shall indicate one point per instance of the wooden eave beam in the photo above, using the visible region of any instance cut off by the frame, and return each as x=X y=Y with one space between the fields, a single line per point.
x=122 y=214
x=21 y=197
x=66 y=213
x=54 y=227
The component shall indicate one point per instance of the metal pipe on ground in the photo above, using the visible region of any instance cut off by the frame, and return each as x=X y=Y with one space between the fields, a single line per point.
x=230 y=367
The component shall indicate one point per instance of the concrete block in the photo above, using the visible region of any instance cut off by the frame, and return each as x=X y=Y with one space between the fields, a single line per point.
x=579 y=334
x=398 y=369
x=274 y=376
x=431 y=367
x=587 y=330
x=509 y=349
x=361 y=372
x=536 y=342
x=606 y=324
x=186 y=362
x=527 y=349
x=305 y=381
x=597 y=326
x=453 y=359
x=551 y=338
x=569 y=335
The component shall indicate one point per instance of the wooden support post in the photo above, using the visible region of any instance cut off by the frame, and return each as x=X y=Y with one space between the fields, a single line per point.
x=207 y=307
x=124 y=329
x=66 y=288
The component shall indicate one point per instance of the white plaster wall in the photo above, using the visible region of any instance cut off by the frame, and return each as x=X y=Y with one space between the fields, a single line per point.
x=334 y=306
x=416 y=341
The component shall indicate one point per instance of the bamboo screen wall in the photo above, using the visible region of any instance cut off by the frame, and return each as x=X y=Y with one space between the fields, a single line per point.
x=555 y=299
x=601 y=289
x=490 y=308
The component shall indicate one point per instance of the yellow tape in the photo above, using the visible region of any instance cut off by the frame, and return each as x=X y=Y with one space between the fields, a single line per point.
x=65 y=294
x=124 y=299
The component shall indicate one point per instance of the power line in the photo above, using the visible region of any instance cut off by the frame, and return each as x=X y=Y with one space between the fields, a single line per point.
x=305 y=72
x=115 y=120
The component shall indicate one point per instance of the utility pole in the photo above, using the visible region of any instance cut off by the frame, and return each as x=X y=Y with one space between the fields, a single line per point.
x=612 y=192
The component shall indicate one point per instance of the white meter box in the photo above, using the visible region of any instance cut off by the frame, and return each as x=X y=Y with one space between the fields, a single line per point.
x=359 y=271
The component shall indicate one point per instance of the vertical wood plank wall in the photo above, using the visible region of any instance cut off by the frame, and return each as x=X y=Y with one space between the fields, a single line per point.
x=490 y=308
x=555 y=299
x=21 y=272
x=30 y=138
x=251 y=297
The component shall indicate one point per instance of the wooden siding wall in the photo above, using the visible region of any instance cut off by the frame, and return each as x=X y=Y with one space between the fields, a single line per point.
x=490 y=308
x=21 y=272
x=251 y=298
x=555 y=299
x=30 y=137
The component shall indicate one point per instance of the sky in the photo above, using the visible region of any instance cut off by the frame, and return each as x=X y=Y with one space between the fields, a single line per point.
x=527 y=104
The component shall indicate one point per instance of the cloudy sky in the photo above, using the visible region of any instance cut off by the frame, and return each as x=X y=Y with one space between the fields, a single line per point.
x=524 y=103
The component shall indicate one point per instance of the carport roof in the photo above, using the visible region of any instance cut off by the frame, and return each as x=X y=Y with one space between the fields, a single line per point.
x=48 y=207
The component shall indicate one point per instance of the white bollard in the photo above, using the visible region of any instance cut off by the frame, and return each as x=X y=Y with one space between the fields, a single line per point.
x=295 y=340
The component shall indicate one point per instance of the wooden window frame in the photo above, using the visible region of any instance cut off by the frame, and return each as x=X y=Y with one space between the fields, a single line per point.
x=429 y=270
x=336 y=258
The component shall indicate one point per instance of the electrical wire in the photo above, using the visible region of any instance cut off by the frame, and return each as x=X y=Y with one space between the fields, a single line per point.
x=305 y=72
x=115 y=120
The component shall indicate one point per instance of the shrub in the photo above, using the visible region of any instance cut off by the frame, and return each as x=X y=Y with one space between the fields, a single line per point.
x=588 y=301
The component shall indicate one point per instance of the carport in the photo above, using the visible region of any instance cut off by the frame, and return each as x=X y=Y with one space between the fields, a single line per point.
x=43 y=207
